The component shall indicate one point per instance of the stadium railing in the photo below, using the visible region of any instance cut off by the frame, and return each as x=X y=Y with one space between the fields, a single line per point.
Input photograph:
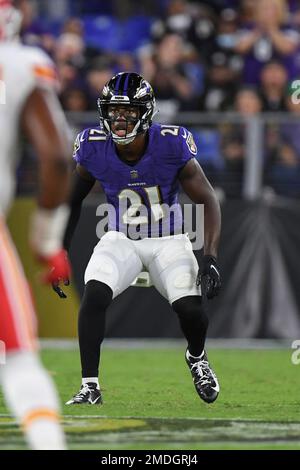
x=241 y=154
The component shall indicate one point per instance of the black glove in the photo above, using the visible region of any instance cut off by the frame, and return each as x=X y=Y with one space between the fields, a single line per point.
x=209 y=276
x=58 y=289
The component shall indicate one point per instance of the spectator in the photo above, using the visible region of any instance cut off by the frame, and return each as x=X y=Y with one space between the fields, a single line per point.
x=282 y=139
x=70 y=48
x=203 y=30
x=74 y=99
x=177 y=20
x=224 y=66
x=73 y=26
x=68 y=75
x=100 y=71
x=126 y=61
x=227 y=30
x=194 y=23
x=70 y=60
x=284 y=174
x=55 y=10
x=34 y=32
x=269 y=37
x=247 y=11
x=248 y=104
x=273 y=81
x=290 y=130
x=173 y=79
x=222 y=82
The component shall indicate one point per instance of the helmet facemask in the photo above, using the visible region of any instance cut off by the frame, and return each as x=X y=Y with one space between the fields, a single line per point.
x=145 y=106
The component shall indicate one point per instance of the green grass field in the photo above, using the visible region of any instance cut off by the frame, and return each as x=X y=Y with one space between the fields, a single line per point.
x=150 y=402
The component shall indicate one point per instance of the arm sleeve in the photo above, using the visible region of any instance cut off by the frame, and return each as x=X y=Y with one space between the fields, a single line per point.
x=81 y=188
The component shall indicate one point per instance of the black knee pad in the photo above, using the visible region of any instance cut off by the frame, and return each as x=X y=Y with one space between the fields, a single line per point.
x=97 y=297
x=190 y=306
x=190 y=303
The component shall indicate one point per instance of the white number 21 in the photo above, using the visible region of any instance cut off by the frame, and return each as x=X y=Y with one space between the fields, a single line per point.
x=152 y=193
x=174 y=130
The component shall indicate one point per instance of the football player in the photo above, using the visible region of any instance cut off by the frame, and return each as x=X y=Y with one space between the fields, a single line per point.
x=29 y=106
x=142 y=163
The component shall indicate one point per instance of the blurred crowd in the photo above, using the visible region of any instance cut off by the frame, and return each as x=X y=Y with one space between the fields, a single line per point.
x=208 y=56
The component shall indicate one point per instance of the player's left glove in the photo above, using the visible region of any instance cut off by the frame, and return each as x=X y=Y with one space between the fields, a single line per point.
x=209 y=276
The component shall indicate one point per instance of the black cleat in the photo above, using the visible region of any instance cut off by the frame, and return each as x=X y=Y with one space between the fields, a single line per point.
x=205 y=380
x=88 y=394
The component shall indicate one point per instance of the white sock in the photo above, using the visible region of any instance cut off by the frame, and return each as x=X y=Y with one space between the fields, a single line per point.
x=32 y=398
x=189 y=355
x=93 y=380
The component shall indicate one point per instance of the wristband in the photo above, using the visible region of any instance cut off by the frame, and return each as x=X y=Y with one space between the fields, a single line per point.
x=48 y=228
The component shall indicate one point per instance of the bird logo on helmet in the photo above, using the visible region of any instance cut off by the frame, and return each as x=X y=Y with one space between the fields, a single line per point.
x=132 y=90
x=10 y=20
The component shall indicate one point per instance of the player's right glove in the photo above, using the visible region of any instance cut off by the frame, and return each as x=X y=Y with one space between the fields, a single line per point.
x=46 y=236
x=209 y=276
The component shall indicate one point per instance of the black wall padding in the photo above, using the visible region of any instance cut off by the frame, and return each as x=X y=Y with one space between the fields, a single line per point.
x=260 y=264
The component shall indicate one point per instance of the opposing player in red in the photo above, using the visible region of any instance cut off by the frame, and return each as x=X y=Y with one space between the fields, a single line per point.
x=29 y=105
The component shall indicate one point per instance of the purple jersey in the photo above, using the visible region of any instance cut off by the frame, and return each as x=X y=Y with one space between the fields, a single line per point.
x=143 y=197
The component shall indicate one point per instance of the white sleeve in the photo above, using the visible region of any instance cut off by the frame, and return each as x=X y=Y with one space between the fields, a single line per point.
x=42 y=70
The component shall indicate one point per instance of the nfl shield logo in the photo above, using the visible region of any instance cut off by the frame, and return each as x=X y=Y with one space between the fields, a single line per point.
x=134 y=174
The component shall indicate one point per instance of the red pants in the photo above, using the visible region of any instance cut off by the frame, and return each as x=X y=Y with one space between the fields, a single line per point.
x=17 y=315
